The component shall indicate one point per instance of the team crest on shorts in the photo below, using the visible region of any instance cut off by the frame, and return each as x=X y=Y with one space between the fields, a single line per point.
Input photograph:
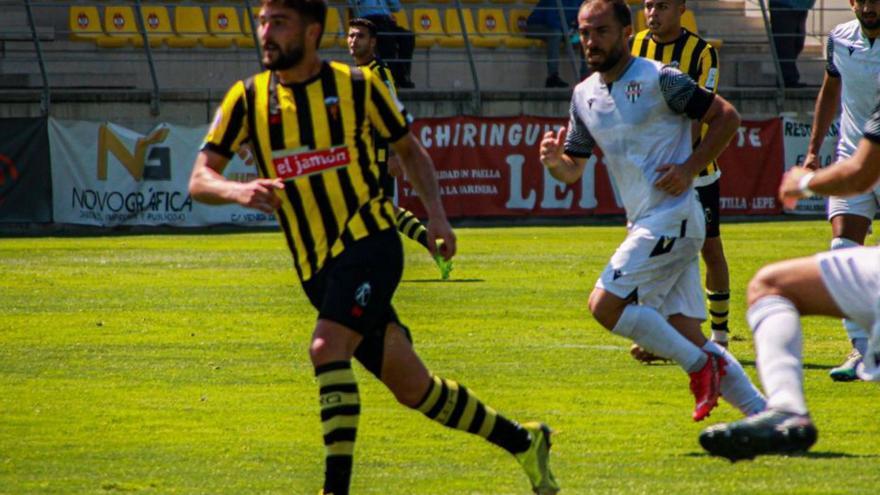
x=362 y=294
x=633 y=91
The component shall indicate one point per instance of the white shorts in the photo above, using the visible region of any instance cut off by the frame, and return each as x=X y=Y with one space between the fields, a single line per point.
x=852 y=277
x=863 y=205
x=660 y=272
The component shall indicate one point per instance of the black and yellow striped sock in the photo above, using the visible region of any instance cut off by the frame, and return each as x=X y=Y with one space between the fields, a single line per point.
x=410 y=226
x=340 y=410
x=453 y=405
x=719 y=308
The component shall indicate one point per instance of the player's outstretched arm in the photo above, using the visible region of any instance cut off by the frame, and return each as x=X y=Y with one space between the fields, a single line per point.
x=827 y=104
x=207 y=185
x=854 y=175
x=419 y=170
x=562 y=167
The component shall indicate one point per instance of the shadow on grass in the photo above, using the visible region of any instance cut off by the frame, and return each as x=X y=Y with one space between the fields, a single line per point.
x=807 y=366
x=437 y=280
x=807 y=455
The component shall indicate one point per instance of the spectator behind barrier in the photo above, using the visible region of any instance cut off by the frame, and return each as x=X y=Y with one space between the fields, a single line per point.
x=394 y=44
x=788 y=21
x=544 y=23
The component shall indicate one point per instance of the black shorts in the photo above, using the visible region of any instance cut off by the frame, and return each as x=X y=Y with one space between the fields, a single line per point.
x=355 y=290
x=710 y=198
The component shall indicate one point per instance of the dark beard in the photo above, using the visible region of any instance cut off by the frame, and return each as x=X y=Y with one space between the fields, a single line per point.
x=869 y=25
x=610 y=61
x=286 y=59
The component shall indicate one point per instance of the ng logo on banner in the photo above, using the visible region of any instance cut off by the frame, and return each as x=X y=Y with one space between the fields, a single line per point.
x=159 y=166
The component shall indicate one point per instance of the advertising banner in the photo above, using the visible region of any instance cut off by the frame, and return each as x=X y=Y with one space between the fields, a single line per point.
x=25 y=185
x=751 y=169
x=106 y=175
x=796 y=134
x=489 y=167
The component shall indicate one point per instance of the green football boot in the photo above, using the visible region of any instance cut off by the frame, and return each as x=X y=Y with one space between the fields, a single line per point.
x=536 y=460
x=846 y=372
x=445 y=266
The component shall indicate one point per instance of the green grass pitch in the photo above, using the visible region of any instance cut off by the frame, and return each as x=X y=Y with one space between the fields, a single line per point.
x=178 y=364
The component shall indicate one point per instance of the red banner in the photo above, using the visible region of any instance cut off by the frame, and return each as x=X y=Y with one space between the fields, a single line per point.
x=489 y=167
x=751 y=169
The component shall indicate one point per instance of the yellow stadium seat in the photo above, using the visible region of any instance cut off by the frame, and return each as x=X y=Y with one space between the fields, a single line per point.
x=639 y=23
x=427 y=27
x=85 y=24
x=119 y=23
x=454 y=32
x=400 y=19
x=156 y=23
x=689 y=21
x=189 y=27
x=246 y=40
x=517 y=24
x=223 y=25
x=491 y=24
x=333 y=29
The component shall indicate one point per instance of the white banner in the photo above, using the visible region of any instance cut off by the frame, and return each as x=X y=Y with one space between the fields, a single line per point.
x=106 y=175
x=796 y=136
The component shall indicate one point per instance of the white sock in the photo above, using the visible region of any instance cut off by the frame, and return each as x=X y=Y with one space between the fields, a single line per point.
x=736 y=388
x=776 y=326
x=647 y=328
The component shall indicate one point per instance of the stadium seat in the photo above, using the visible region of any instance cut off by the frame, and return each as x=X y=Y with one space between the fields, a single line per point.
x=491 y=24
x=246 y=40
x=639 y=23
x=454 y=32
x=517 y=24
x=334 y=31
x=189 y=27
x=427 y=27
x=401 y=19
x=120 y=26
x=85 y=25
x=223 y=25
x=156 y=23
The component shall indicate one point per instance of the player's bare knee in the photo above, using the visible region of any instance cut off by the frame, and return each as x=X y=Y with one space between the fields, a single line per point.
x=764 y=283
x=321 y=351
x=603 y=312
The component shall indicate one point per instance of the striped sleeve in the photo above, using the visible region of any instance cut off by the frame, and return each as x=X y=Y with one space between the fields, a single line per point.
x=229 y=128
x=384 y=110
x=709 y=69
x=872 y=126
x=682 y=93
x=579 y=143
x=830 y=68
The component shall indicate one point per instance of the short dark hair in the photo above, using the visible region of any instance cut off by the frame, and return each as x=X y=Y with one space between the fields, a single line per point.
x=362 y=22
x=310 y=10
x=621 y=10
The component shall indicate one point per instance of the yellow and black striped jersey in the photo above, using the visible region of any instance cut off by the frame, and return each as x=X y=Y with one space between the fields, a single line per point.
x=692 y=55
x=381 y=71
x=318 y=137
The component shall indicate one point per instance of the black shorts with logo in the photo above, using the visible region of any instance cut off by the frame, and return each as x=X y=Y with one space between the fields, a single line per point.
x=355 y=290
x=710 y=198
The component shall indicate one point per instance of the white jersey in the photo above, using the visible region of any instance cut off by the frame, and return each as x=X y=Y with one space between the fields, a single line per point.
x=856 y=61
x=642 y=121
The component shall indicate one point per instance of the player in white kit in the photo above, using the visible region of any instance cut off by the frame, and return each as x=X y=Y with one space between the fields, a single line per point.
x=839 y=283
x=639 y=113
x=853 y=64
